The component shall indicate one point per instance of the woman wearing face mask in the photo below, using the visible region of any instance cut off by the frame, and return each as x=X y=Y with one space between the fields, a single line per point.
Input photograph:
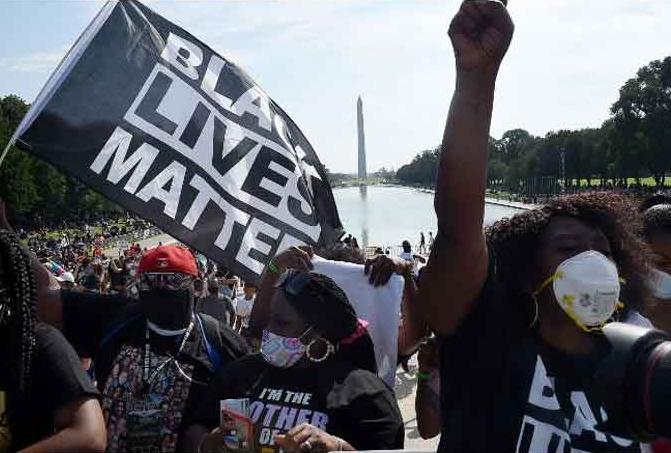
x=312 y=387
x=520 y=308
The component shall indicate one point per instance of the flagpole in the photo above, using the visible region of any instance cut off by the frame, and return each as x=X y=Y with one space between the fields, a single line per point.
x=58 y=74
x=5 y=152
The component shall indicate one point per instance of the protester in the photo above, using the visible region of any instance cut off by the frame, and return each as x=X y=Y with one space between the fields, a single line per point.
x=47 y=402
x=422 y=243
x=312 y=387
x=388 y=342
x=656 y=213
x=411 y=257
x=519 y=310
x=217 y=305
x=153 y=360
x=244 y=306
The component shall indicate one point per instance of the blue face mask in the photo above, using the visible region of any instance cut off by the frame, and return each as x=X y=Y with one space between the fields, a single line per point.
x=660 y=284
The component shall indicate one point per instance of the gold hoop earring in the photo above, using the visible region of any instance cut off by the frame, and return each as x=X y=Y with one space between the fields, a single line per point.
x=535 y=320
x=329 y=350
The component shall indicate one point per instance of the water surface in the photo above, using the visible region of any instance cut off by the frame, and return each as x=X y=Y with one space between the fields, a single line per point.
x=386 y=215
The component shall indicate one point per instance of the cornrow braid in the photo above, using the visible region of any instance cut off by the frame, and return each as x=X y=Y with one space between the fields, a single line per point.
x=20 y=284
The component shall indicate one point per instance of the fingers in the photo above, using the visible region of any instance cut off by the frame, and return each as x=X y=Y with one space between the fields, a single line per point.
x=297 y=429
x=286 y=443
x=294 y=439
x=381 y=271
x=295 y=258
x=496 y=14
x=308 y=249
x=372 y=263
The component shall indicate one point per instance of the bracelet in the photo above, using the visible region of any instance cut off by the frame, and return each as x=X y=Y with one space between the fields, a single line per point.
x=422 y=376
x=272 y=267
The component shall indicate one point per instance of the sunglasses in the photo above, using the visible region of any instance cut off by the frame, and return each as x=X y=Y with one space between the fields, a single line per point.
x=293 y=281
x=169 y=280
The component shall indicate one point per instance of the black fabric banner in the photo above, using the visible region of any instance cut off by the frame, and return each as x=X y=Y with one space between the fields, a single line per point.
x=155 y=120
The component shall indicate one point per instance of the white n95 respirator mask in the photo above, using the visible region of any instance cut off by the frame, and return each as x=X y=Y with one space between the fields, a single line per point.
x=587 y=288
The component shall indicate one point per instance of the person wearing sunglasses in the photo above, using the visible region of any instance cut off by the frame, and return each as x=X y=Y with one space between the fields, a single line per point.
x=153 y=358
x=313 y=386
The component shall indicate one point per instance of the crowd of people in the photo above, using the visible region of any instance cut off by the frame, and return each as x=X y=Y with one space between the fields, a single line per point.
x=507 y=322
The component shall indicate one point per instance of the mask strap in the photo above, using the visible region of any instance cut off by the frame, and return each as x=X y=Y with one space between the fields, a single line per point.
x=307 y=331
x=598 y=328
x=557 y=275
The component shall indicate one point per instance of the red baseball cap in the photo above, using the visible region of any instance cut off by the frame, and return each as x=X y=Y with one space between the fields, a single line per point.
x=168 y=258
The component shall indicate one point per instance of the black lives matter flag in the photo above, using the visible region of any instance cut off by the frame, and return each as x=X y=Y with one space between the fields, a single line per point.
x=155 y=120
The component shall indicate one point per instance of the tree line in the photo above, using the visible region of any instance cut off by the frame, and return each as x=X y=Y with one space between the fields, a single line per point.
x=632 y=144
x=36 y=190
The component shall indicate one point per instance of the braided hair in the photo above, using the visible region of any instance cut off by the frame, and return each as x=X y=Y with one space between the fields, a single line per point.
x=324 y=305
x=20 y=318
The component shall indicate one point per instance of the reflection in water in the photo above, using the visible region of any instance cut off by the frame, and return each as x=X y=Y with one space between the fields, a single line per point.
x=363 y=191
x=384 y=216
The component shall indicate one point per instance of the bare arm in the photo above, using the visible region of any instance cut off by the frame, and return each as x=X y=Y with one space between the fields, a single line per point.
x=261 y=309
x=413 y=329
x=80 y=427
x=480 y=33
x=427 y=400
x=292 y=258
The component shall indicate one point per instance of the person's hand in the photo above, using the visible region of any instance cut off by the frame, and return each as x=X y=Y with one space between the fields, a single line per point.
x=428 y=357
x=380 y=268
x=307 y=438
x=299 y=258
x=481 y=33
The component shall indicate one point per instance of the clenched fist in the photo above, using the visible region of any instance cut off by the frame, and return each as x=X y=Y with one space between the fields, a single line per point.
x=481 y=33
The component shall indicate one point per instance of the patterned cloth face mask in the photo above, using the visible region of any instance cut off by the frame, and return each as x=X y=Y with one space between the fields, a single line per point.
x=282 y=352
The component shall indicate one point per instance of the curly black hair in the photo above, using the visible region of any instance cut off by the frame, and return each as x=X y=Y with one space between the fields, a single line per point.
x=21 y=315
x=514 y=243
x=656 y=211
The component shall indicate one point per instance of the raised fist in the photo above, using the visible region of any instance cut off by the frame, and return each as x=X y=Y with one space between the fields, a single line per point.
x=481 y=33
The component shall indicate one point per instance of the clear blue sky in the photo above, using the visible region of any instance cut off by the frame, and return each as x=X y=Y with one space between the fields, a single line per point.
x=314 y=57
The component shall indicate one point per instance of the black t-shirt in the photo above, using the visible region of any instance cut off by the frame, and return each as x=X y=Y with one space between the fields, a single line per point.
x=146 y=412
x=504 y=389
x=350 y=403
x=58 y=379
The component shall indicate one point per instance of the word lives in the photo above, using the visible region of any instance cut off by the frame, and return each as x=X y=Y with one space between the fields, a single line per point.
x=188 y=145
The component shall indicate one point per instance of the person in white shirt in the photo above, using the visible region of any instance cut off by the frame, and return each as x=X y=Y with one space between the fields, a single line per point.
x=244 y=305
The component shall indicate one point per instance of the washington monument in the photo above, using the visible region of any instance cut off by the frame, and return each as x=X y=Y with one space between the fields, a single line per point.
x=362 y=139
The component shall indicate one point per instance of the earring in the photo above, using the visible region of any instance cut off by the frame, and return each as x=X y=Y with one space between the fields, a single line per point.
x=535 y=320
x=329 y=350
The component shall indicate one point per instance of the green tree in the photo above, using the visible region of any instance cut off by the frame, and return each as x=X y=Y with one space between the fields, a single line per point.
x=642 y=116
